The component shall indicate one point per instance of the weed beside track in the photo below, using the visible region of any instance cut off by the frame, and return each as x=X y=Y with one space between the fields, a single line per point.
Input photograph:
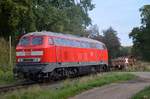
x=67 y=88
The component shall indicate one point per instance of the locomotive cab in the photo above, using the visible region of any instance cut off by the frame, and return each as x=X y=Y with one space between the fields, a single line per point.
x=32 y=54
x=34 y=49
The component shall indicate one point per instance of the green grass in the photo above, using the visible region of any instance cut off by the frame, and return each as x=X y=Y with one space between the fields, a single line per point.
x=69 y=88
x=6 y=77
x=4 y=55
x=144 y=94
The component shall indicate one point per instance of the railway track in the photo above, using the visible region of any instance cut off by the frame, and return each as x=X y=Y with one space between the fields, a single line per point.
x=27 y=84
x=19 y=85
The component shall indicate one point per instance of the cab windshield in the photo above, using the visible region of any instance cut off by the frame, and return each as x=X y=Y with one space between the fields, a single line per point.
x=24 y=41
x=37 y=40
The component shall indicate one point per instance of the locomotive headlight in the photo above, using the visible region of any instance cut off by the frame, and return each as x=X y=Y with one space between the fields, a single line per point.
x=21 y=53
x=20 y=60
x=37 y=60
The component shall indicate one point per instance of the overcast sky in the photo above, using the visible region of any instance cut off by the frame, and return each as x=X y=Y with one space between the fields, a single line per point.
x=122 y=15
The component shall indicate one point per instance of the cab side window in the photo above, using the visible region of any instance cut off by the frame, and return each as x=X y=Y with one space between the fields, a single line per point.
x=92 y=45
x=50 y=41
x=99 y=46
x=57 y=41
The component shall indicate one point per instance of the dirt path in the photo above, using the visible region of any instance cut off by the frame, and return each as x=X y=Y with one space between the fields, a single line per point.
x=118 y=90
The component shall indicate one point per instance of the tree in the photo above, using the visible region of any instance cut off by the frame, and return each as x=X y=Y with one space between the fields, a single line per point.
x=138 y=41
x=109 y=38
x=67 y=16
x=141 y=35
x=16 y=16
x=112 y=42
x=93 y=31
x=125 y=51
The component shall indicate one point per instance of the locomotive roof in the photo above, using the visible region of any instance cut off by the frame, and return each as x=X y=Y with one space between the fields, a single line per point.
x=69 y=36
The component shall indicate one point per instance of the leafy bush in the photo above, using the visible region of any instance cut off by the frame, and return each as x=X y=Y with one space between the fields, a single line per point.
x=6 y=77
x=6 y=74
x=144 y=94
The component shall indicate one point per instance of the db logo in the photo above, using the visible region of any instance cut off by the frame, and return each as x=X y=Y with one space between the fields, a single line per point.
x=27 y=53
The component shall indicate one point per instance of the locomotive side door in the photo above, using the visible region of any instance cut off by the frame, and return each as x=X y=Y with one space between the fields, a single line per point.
x=58 y=54
x=58 y=50
x=100 y=51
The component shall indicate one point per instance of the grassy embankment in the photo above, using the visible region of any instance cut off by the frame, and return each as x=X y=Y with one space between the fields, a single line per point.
x=6 y=75
x=144 y=94
x=142 y=66
x=69 y=87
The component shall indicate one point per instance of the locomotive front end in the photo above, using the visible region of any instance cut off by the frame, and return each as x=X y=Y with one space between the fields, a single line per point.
x=30 y=57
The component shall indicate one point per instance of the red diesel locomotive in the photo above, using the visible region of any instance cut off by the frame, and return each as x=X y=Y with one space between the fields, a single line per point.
x=54 y=55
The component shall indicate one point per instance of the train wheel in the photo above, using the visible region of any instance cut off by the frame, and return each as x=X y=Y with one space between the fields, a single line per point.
x=55 y=75
x=101 y=68
x=93 y=70
x=105 y=68
x=71 y=72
